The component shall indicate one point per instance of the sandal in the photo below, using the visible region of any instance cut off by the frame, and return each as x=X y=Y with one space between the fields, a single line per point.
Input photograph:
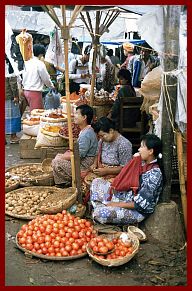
x=14 y=141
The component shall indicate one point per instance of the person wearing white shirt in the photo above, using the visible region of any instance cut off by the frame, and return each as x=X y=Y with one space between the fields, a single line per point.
x=35 y=76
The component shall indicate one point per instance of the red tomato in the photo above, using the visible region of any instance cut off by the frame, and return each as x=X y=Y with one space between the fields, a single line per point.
x=36 y=246
x=22 y=240
x=73 y=252
x=40 y=239
x=71 y=239
x=61 y=233
x=47 y=238
x=109 y=245
x=87 y=223
x=77 y=228
x=34 y=237
x=68 y=248
x=75 y=234
x=56 y=244
x=42 y=228
x=51 y=249
x=39 y=251
x=20 y=233
x=95 y=249
x=103 y=250
x=83 y=248
x=47 y=244
x=52 y=235
x=75 y=246
x=68 y=235
x=58 y=238
x=65 y=253
x=58 y=254
x=101 y=244
x=29 y=246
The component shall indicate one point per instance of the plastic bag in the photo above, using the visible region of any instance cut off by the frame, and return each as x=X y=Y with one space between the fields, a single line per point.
x=52 y=100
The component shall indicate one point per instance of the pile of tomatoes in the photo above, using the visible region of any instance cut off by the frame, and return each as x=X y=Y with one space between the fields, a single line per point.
x=103 y=248
x=59 y=235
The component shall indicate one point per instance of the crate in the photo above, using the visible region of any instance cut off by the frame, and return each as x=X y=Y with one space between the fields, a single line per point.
x=26 y=147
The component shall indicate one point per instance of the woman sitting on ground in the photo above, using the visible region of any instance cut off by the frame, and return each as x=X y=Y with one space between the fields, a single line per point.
x=134 y=193
x=114 y=150
x=87 y=141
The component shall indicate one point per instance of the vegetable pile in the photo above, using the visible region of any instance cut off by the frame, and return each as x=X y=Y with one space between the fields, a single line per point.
x=104 y=248
x=59 y=235
x=25 y=201
x=75 y=130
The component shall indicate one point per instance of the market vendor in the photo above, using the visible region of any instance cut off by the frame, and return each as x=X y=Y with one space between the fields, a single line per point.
x=134 y=193
x=126 y=90
x=114 y=150
x=106 y=79
x=87 y=141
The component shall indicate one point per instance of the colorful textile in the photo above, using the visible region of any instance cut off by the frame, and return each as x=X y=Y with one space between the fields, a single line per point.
x=34 y=99
x=115 y=153
x=144 y=202
x=128 y=178
x=12 y=117
x=62 y=169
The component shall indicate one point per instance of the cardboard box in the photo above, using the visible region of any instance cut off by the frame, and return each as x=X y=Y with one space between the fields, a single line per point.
x=26 y=147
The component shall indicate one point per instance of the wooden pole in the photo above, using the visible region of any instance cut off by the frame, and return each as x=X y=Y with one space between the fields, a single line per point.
x=95 y=43
x=170 y=62
x=65 y=36
x=182 y=176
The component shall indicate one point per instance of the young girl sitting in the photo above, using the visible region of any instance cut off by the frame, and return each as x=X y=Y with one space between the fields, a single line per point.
x=134 y=193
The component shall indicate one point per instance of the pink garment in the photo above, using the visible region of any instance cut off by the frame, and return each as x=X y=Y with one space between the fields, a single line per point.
x=34 y=99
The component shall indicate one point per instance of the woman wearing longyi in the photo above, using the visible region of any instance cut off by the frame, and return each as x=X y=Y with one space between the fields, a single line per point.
x=134 y=193
x=114 y=150
x=87 y=141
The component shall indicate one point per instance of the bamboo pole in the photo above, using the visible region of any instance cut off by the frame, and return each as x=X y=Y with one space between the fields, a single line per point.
x=89 y=20
x=65 y=36
x=78 y=10
x=182 y=176
x=50 y=14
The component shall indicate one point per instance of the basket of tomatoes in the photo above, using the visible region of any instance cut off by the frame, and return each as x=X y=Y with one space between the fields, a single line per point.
x=113 y=249
x=55 y=237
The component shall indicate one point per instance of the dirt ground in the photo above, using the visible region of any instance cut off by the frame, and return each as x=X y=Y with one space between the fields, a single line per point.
x=153 y=265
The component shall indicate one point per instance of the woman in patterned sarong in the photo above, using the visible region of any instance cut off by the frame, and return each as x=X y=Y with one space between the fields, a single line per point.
x=87 y=141
x=134 y=193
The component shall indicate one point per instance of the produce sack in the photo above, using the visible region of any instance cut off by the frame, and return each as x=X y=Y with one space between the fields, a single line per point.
x=49 y=140
x=31 y=130
x=151 y=88
x=52 y=99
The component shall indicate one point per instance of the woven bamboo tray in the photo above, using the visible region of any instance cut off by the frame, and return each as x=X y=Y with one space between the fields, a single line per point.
x=13 y=187
x=38 y=188
x=118 y=261
x=49 y=257
x=65 y=199
x=47 y=180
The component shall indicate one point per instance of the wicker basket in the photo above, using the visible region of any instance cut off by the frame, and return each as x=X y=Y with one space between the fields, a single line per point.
x=19 y=192
x=118 y=261
x=46 y=165
x=46 y=180
x=57 y=202
x=137 y=232
x=33 y=254
x=89 y=178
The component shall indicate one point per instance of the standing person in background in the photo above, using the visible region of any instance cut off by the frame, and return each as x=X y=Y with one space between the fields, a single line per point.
x=106 y=80
x=79 y=71
x=35 y=76
x=115 y=61
x=128 y=49
x=12 y=111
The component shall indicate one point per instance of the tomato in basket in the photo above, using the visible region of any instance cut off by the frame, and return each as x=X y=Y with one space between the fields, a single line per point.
x=56 y=235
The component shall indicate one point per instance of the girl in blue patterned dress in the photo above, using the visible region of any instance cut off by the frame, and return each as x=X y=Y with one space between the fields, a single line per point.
x=134 y=193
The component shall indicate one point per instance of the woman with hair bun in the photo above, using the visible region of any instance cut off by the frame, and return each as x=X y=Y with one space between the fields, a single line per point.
x=134 y=193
